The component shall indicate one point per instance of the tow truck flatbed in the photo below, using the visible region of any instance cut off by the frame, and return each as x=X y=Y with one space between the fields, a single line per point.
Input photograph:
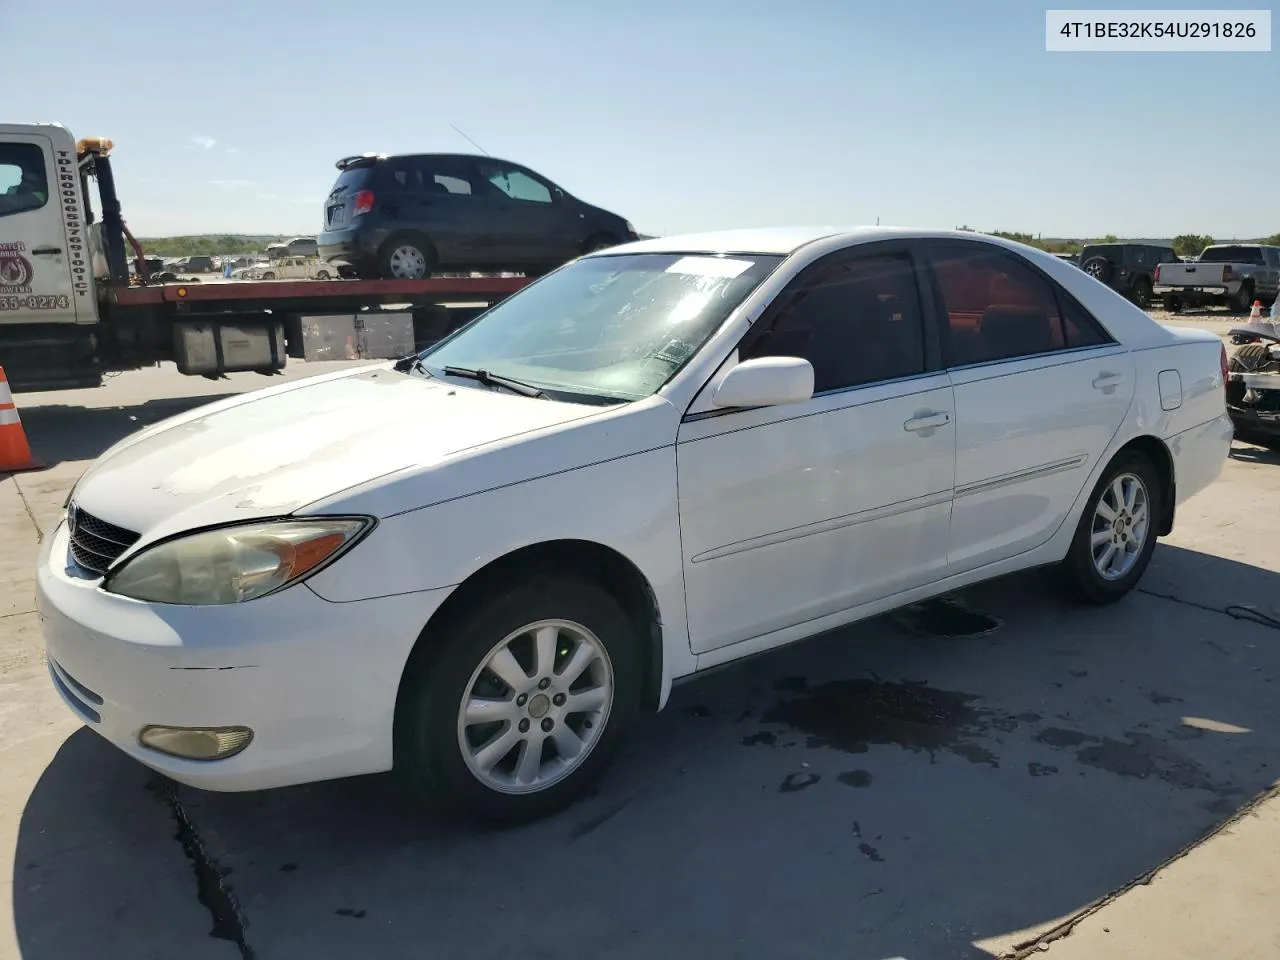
x=292 y=294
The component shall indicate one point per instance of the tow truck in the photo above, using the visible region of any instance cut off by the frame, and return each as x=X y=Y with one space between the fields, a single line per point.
x=70 y=312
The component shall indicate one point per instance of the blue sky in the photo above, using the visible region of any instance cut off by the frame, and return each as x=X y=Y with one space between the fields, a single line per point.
x=700 y=114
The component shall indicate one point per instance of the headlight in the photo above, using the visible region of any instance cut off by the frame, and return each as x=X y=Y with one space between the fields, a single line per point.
x=233 y=564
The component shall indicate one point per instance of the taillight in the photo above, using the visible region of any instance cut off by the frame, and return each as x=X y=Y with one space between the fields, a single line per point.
x=364 y=202
x=1222 y=363
x=1155 y=277
x=1228 y=274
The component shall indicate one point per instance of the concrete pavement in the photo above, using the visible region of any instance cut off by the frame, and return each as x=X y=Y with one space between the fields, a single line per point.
x=888 y=790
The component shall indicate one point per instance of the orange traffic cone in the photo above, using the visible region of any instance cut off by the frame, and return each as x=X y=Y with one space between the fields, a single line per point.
x=15 y=454
x=1255 y=315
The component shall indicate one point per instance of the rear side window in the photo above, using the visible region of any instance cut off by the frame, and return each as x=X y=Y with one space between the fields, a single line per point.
x=999 y=308
x=1251 y=255
x=24 y=185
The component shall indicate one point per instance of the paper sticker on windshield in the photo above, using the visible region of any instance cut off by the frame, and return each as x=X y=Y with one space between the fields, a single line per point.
x=709 y=266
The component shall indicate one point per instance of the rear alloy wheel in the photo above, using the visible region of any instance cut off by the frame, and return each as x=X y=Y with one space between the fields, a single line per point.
x=1117 y=532
x=522 y=703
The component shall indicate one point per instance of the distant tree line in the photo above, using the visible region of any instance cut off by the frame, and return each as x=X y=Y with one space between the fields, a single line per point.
x=1184 y=245
x=207 y=244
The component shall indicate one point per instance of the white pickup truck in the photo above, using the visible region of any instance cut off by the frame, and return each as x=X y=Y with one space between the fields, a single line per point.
x=1225 y=274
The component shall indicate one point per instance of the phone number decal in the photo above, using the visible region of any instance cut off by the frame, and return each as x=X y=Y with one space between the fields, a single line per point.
x=35 y=302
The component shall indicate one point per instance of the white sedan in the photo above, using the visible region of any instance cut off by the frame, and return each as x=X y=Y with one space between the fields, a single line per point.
x=478 y=564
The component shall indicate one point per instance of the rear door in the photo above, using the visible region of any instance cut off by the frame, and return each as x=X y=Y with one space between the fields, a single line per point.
x=1040 y=391
x=36 y=283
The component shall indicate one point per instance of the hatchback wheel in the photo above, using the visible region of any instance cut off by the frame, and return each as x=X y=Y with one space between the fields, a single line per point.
x=405 y=259
x=517 y=706
x=1117 y=532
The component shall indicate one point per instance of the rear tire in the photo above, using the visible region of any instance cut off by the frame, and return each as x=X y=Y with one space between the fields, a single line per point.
x=1142 y=293
x=1117 y=532
x=405 y=257
x=1243 y=299
x=456 y=761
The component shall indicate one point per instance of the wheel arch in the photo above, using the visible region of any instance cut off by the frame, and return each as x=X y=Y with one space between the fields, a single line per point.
x=1155 y=450
x=594 y=561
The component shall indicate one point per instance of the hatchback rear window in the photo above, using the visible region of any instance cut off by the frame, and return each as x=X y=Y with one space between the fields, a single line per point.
x=349 y=181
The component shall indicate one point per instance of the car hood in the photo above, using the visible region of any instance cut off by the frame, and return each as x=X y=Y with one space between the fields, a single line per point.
x=271 y=453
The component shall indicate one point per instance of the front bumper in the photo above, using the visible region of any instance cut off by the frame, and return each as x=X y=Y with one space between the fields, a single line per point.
x=316 y=681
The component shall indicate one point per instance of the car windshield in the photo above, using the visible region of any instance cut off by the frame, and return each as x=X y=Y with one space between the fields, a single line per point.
x=605 y=329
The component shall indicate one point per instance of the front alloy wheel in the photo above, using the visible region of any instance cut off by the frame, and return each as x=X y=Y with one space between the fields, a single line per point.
x=536 y=706
x=516 y=727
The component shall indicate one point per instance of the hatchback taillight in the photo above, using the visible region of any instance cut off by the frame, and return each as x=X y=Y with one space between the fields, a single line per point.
x=363 y=202
x=1222 y=363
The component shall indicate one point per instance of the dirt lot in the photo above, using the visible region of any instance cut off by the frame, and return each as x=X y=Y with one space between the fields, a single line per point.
x=895 y=789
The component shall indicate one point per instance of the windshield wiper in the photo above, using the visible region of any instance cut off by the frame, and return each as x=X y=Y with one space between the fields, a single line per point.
x=493 y=380
x=411 y=364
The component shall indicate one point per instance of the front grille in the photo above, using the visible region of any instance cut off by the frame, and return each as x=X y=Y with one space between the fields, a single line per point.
x=95 y=544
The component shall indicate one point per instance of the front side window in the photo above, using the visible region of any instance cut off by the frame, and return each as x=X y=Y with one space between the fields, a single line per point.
x=998 y=308
x=605 y=329
x=857 y=322
x=516 y=184
x=24 y=184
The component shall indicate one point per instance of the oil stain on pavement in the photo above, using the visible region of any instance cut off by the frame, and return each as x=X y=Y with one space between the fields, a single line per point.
x=855 y=714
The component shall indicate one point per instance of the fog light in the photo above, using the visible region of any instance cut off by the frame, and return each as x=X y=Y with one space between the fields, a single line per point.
x=196 y=743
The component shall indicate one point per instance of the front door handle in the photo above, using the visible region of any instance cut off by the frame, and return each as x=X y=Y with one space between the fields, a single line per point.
x=1105 y=381
x=47 y=251
x=927 y=421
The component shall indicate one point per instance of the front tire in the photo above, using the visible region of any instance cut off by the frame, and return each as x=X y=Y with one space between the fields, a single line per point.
x=517 y=705
x=1117 y=532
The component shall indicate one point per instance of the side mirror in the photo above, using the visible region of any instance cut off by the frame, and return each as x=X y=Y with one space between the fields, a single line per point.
x=765 y=382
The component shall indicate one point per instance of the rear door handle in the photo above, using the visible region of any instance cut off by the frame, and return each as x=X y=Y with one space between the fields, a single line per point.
x=47 y=251
x=1105 y=380
x=927 y=421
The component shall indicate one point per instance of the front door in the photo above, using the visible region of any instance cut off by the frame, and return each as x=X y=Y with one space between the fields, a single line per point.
x=1040 y=391
x=535 y=221
x=792 y=513
x=35 y=264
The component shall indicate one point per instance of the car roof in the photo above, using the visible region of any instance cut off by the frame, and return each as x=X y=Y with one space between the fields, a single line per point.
x=787 y=240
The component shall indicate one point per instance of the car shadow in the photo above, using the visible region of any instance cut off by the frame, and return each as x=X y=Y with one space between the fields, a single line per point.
x=1248 y=453
x=947 y=781
x=58 y=433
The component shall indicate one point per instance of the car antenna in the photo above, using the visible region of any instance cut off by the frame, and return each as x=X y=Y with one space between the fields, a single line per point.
x=469 y=140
